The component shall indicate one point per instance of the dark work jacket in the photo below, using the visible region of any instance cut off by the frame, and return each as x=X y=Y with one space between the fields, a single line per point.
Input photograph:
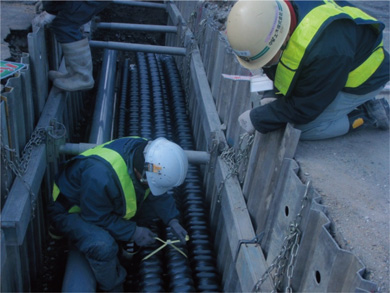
x=338 y=48
x=91 y=183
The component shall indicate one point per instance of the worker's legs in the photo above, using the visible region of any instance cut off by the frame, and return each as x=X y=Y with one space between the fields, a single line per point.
x=77 y=54
x=97 y=245
x=101 y=251
x=334 y=120
x=78 y=62
x=74 y=14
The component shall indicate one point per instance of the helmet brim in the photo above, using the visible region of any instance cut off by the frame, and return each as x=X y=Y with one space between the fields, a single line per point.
x=156 y=190
x=237 y=36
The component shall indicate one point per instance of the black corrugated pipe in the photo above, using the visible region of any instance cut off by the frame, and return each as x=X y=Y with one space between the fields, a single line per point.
x=157 y=107
x=123 y=101
x=191 y=199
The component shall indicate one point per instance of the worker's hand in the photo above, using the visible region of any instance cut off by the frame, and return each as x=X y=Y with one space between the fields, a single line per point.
x=178 y=230
x=42 y=19
x=245 y=122
x=143 y=236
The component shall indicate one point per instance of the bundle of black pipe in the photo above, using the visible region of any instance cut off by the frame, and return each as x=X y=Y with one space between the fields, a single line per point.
x=156 y=108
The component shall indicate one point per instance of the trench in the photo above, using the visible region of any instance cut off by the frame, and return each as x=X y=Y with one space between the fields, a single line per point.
x=150 y=102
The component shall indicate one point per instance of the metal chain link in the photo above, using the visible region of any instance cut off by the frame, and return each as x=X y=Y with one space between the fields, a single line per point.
x=287 y=254
x=18 y=165
x=236 y=159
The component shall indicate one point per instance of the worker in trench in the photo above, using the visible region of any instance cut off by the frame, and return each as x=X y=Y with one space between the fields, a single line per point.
x=65 y=19
x=325 y=58
x=112 y=193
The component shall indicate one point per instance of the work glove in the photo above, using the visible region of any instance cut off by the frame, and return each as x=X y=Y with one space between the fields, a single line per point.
x=42 y=19
x=245 y=122
x=143 y=236
x=178 y=230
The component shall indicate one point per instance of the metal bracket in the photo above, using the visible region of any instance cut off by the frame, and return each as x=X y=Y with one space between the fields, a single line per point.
x=55 y=137
x=215 y=149
x=256 y=240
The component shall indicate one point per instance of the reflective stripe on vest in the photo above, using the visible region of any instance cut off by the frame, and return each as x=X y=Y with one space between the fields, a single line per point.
x=304 y=34
x=56 y=193
x=120 y=168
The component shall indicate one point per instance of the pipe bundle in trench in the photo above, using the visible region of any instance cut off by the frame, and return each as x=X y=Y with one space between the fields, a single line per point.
x=152 y=104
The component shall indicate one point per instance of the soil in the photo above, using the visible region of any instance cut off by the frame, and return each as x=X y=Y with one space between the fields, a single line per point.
x=351 y=173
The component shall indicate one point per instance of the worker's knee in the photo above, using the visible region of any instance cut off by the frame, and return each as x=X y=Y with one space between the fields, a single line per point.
x=103 y=248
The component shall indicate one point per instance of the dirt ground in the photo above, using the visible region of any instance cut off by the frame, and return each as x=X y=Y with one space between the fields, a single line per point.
x=351 y=172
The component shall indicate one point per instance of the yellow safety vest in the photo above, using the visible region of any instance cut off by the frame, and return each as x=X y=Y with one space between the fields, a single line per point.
x=121 y=170
x=304 y=34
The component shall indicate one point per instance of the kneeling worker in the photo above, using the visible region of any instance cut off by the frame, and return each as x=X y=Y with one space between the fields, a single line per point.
x=110 y=193
x=326 y=59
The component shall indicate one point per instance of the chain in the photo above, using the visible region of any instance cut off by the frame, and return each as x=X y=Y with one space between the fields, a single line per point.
x=6 y=170
x=236 y=160
x=287 y=254
x=19 y=165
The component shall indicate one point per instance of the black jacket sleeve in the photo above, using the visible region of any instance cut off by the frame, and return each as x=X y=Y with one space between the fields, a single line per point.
x=165 y=207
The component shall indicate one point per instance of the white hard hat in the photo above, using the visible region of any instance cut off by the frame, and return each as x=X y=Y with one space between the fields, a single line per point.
x=166 y=165
x=256 y=30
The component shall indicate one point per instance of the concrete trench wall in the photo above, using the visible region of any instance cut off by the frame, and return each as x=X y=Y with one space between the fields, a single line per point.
x=262 y=203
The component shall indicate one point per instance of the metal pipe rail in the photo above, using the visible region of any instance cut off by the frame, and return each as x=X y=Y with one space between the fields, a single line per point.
x=141 y=4
x=78 y=273
x=139 y=48
x=137 y=27
x=103 y=114
x=194 y=157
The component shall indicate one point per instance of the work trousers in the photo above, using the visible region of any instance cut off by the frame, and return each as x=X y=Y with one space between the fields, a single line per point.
x=96 y=244
x=333 y=121
x=70 y=16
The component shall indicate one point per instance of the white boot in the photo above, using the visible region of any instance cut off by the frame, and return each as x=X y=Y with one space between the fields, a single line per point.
x=53 y=74
x=56 y=74
x=78 y=62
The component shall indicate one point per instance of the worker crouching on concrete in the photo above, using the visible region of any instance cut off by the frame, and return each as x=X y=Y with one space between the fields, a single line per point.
x=65 y=19
x=326 y=59
x=107 y=193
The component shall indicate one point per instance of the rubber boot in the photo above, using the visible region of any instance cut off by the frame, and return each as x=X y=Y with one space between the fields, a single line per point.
x=53 y=74
x=78 y=61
